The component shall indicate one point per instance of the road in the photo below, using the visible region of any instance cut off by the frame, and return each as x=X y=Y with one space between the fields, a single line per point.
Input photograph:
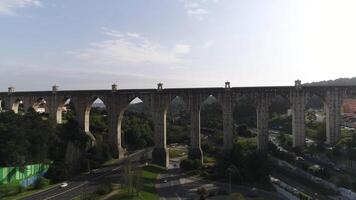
x=179 y=186
x=84 y=183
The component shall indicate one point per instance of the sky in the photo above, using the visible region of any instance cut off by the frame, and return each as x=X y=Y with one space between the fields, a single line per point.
x=91 y=44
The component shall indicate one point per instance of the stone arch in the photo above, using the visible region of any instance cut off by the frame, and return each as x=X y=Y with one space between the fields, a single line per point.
x=17 y=105
x=64 y=104
x=315 y=113
x=88 y=108
x=212 y=121
x=206 y=98
x=280 y=120
x=40 y=105
x=136 y=106
x=279 y=104
x=244 y=110
x=2 y=104
x=178 y=119
x=135 y=98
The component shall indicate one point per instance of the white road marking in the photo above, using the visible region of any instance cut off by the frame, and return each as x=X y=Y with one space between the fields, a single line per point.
x=78 y=186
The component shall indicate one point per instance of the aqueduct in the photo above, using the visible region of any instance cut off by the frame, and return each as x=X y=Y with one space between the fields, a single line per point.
x=158 y=100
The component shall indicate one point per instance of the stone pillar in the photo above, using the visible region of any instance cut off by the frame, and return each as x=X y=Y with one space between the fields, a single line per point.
x=55 y=110
x=158 y=107
x=195 y=151
x=228 y=122
x=115 y=119
x=14 y=104
x=28 y=103
x=262 y=122
x=54 y=106
x=298 y=118
x=82 y=110
x=332 y=108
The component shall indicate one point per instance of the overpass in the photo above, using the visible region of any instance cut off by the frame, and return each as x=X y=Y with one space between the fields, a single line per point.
x=158 y=100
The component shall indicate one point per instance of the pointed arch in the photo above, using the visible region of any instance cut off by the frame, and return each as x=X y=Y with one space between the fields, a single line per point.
x=100 y=107
x=65 y=107
x=17 y=105
x=178 y=120
x=40 y=105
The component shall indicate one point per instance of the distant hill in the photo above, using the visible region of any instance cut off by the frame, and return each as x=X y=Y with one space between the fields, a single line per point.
x=336 y=82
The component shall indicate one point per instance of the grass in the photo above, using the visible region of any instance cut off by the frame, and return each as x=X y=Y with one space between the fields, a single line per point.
x=248 y=139
x=209 y=160
x=149 y=177
x=235 y=196
x=110 y=162
x=27 y=192
x=175 y=153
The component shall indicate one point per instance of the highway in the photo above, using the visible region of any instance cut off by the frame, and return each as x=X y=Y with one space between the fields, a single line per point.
x=86 y=182
x=175 y=185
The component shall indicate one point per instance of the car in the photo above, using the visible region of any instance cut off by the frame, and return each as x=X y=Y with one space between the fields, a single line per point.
x=63 y=185
x=299 y=158
x=165 y=181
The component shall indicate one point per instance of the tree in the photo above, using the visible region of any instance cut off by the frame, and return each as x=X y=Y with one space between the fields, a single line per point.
x=232 y=171
x=137 y=131
x=24 y=139
x=311 y=116
x=202 y=192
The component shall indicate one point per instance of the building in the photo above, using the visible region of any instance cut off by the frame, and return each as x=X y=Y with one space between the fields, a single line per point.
x=349 y=106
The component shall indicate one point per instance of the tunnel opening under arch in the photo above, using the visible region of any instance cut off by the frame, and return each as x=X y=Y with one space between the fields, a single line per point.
x=137 y=130
x=178 y=129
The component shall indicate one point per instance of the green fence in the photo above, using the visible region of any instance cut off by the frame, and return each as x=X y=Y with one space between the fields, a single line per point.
x=26 y=176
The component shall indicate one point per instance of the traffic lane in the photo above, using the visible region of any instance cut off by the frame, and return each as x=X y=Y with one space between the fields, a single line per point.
x=74 y=184
x=169 y=186
x=53 y=191
x=300 y=186
x=88 y=187
x=80 y=180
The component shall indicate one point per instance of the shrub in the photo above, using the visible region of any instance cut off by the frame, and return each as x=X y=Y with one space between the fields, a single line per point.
x=189 y=164
x=87 y=196
x=104 y=189
x=41 y=183
x=10 y=189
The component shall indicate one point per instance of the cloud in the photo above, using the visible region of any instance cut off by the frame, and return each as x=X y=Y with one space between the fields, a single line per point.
x=8 y=7
x=197 y=12
x=208 y=44
x=197 y=8
x=181 y=49
x=131 y=48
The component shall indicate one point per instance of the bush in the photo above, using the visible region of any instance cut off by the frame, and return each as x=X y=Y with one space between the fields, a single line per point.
x=41 y=183
x=345 y=182
x=236 y=196
x=87 y=196
x=7 y=190
x=104 y=189
x=209 y=148
x=189 y=164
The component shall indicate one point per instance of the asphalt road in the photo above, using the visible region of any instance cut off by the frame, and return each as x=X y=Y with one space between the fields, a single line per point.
x=175 y=185
x=84 y=183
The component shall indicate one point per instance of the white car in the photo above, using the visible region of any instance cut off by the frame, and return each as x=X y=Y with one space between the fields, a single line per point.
x=63 y=185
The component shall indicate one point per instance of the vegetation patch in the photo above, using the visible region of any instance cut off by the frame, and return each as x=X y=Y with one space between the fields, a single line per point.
x=147 y=190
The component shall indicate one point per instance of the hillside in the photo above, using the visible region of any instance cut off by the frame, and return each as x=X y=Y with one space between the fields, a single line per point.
x=336 y=82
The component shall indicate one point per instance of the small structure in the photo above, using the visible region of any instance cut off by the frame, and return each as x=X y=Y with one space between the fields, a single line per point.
x=55 y=89
x=227 y=85
x=160 y=86
x=298 y=84
x=11 y=89
x=114 y=87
